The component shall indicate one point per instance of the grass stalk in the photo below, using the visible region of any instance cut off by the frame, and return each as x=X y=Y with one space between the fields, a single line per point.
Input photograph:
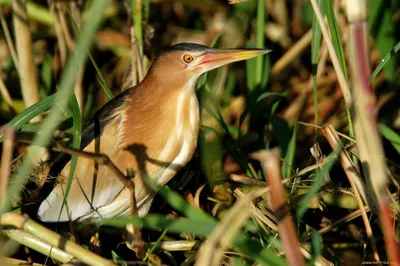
x=369 y=141
x=354 y=179
x=37 y=244
x=6 y=158
x=27 y=69
x=212 y=252
x=335 y=61
x=28 y=225
x=9 y=40
x=270 y=162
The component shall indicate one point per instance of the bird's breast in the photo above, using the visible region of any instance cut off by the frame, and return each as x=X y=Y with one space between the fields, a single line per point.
x=160 y=137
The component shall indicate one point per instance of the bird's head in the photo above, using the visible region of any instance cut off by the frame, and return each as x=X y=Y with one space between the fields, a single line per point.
x=184 y=63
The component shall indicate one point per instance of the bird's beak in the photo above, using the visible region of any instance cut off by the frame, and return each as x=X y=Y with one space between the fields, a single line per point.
x=216 y=58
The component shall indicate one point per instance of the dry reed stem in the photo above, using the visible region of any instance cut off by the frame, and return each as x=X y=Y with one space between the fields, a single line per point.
x=6 y=158
x=28 y=225
x=292 y=112
x=270 y=161
x=11 y=261
x=9 y=40
x=28 y=72
x=134 y=235
x=179 y=245
x=335 y=61
x=37 y=244
x=232 y=2
x=64 y=27
x=354 y=179
x=211 y=253
x=67 y=36
x=292 y=53
x=6 y=95
x=368 y=138
x=62 y=46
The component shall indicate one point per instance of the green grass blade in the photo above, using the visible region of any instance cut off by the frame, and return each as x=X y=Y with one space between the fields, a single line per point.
x=76 y=144
x=335 y=33
x=290 y=154
x=384 y=31
x=260 y=39
x=390 y=135
x=137 y=18
x=31 y=112
x=68 y=79
x=390 y=55
x=305 y=202
x=250 y=247
x=315 y=48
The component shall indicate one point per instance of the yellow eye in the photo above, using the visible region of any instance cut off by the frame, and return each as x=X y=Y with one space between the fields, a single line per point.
x=188 y=58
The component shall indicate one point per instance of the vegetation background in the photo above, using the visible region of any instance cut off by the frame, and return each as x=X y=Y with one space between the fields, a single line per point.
x=62 y=60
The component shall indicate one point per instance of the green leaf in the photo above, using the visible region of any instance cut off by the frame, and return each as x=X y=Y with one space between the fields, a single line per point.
x=137 y=18
x=305 y=202
x=390 y=55
x=31 y=112
x=201 y=228
x=315 y=48
x=316 y=247
x=335 y=33
x=260 y=40
x=383 y=30
x=117 y=259
x=281 y=131
x=291 y=151
x=268 y=94
x=390 y=135
x=76 y=144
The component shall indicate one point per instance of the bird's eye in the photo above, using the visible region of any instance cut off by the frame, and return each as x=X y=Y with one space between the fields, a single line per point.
x=188 y=58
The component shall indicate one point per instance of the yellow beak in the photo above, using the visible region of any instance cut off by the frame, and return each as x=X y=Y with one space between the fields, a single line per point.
x=216 y=58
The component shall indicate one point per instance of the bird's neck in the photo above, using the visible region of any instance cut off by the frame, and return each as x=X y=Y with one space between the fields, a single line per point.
x=161 y=112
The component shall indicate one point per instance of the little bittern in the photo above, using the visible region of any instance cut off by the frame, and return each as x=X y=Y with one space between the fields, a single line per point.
x=152 y=126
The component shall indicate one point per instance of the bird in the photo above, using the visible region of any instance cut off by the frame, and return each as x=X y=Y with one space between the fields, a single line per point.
x=153 y=126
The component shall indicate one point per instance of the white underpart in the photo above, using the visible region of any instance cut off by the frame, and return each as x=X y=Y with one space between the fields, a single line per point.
x=121 y=204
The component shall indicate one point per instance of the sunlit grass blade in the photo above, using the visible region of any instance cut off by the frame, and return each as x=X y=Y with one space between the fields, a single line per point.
x=390 y=135
x=335 y=33
x=315 y=48
x=137 y=18
x=390 y=55
x=31 y=112
x=76 y=144
x=383 y=29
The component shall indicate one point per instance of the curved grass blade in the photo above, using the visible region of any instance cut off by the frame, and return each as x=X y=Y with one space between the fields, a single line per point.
x=76 y=144
x=334 y=29
x=390 y=135
x=31 y=112
x=315 y=48
x=305 y=202
x=384 y=61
